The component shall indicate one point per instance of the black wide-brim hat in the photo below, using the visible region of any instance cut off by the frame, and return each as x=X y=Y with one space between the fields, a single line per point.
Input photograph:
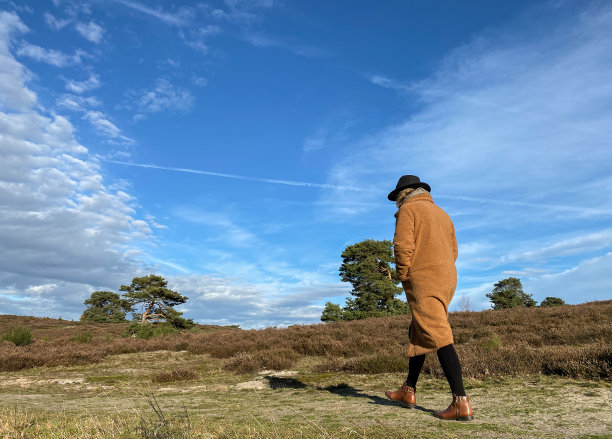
x=407 y=181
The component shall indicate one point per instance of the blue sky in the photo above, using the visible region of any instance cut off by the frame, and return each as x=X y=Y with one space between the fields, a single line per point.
x=237 y=147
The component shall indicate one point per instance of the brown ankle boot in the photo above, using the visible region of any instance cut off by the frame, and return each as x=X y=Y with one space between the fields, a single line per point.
x=405 y=395
x=459 y=410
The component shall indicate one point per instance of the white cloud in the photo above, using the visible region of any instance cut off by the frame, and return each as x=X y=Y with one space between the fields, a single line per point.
x=504 y=118
x=89 y=84
x=181 y=18
x=227 y=231
x=90 y=31
x=200 y=81
x=383 y=81
x=220 y=300
x=196 y=37
x=13 y=75
x=308 y=51
x=243 y=11
x=78 y=103
x=106 y=127
x=55 y=23
x=331 y=132
x=589 y=280
x=567 y=247
x=63 y=232
x=51 y=56
x=164 y=96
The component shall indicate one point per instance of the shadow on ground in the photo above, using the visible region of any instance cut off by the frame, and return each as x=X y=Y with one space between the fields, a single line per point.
x=342 y=389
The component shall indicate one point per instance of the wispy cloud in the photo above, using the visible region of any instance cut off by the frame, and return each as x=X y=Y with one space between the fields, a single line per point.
x=90 y=31
x=164 y=96
x=78 y=103
x=585 y=211
x=589 y=280
x=100 y=121
x=175 y=19
x=576 y=245
x=333 y=131
x=385 y=82
x=51 y=56
x=239 y=177
x=309 y=51
x=55 y=23
x=89 y=84
x=505 y=115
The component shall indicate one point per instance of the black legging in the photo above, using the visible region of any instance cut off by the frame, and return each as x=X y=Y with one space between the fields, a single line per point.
x=450 y=365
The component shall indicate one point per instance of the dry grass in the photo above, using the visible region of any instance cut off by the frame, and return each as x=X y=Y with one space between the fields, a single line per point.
x=571 y=340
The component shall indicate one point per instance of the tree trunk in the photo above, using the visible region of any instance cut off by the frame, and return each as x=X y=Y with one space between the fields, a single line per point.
x=145 y=314
x=386 y=270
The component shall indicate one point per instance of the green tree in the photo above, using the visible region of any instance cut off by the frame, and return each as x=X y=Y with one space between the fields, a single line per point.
x=157 y=301
x=367 y=267
x=331 y=313
x=508 y=293
x=105 y=307
x=552 y=301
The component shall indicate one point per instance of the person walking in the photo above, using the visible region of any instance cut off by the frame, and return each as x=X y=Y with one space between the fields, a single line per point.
x=425 y=250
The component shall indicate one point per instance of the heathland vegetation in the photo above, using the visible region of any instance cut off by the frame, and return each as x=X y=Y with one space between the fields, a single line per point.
x=79 y=380
x=569 y=340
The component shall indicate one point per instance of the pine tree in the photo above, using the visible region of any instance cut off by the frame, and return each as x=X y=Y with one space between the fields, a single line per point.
x=105 y=307
x=152 y=294
x=508 y=293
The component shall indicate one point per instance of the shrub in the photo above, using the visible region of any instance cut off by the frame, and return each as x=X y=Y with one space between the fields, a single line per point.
x=182 y=346
x=552 y=301
x=272 y=359
x=492 y=344
x=19 y=336
x=147 y=330
x=83 y=337
x=175 y=375
x=591 y=363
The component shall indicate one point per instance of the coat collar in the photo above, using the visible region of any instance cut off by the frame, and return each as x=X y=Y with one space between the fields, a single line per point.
x=420 y=197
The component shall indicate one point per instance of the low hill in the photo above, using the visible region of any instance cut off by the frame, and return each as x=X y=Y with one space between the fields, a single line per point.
x=570 y=340
x=48 y=329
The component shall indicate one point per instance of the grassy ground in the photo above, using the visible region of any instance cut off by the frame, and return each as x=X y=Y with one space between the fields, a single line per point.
x=114 y=399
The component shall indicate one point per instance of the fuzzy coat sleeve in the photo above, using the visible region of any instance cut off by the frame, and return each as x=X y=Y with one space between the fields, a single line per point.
x=454 y=240
x=403 y=243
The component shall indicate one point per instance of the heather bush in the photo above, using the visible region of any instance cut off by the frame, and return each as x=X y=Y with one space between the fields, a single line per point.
x=19 y=336
x=183 y=374
x=273 y=359
x=147 y=330
x=493 y=343
x=83 y=337
x=182 y=346
x=377 y=363
x=570 y=340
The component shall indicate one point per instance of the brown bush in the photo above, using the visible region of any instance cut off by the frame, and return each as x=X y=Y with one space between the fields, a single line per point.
x=175 y=375
x=272 y=359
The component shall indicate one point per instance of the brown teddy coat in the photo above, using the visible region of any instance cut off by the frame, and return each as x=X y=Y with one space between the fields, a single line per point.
x=425 y=253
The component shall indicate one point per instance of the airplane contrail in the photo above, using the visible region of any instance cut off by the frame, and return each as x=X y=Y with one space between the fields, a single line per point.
x=238 y=177
x=584 y=210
